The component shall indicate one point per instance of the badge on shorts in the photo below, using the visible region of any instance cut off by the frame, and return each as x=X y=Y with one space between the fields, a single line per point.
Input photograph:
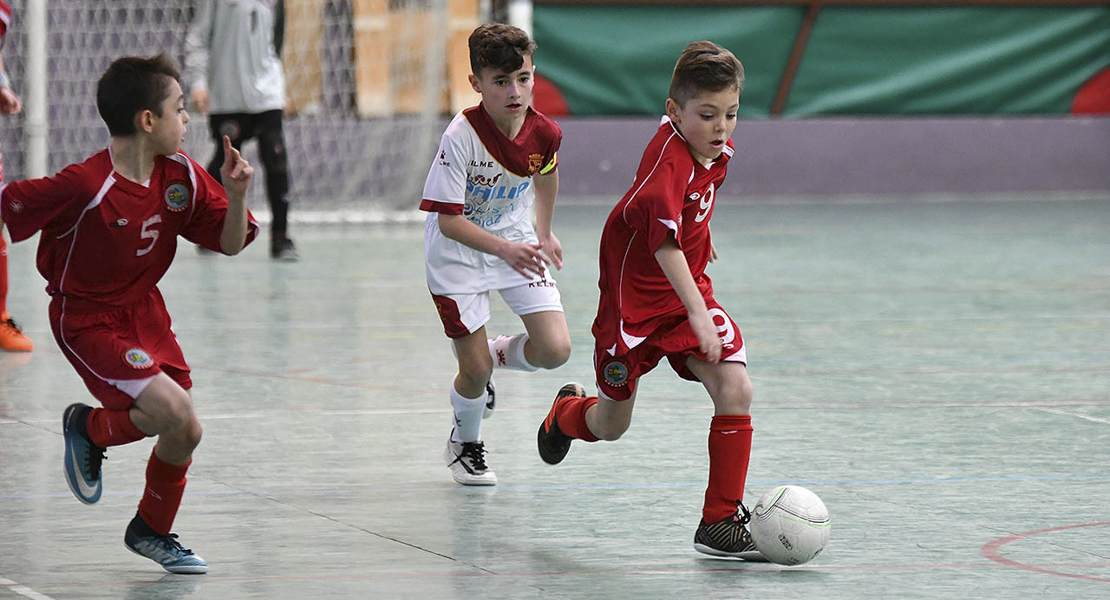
x=177 y=196
x=231 y=129
x=138 y=359
x=615 y=372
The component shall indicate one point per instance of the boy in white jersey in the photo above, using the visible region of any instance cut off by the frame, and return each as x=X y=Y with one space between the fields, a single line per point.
x=494 y=161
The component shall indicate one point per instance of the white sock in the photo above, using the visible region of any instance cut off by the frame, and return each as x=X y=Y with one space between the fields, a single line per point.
x=508 y=353
x=468 y=416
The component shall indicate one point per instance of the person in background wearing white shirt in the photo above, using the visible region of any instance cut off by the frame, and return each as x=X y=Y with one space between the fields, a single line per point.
x=234 y=71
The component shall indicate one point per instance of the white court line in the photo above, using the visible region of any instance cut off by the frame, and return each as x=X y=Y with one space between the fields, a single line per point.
x=1071 y=414
x=23 y=590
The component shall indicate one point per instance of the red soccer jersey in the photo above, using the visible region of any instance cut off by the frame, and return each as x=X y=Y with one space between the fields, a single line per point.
x=672 y=197
x=107 y=241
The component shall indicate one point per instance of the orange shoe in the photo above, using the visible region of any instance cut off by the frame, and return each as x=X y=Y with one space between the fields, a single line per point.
x=12 y=337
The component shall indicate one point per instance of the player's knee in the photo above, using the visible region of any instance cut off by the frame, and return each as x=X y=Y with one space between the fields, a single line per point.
x=744 y=394
x=475 y=372
x=736 y=400
x=554 y=355
x=179 y=444
x=272 y=153
x=191 y=434
x=177 y=411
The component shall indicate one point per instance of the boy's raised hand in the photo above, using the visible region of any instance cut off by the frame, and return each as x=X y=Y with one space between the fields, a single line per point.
x=236 y=172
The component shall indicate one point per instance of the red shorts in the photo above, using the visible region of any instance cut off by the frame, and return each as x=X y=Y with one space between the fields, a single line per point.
x=671 y=337
x=119 y=345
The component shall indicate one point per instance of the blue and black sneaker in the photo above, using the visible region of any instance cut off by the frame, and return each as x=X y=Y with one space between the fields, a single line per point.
x=83 y=458
x=162 y=549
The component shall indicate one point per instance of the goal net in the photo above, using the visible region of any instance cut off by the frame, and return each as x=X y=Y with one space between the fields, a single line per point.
x=370 y=84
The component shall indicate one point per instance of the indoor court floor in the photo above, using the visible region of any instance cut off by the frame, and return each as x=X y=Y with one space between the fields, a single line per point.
x=938 y=371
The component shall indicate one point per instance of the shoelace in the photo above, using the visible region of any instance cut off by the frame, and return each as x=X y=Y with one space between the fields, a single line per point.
x=170 y=543
x=742 y=515
x=475 y=453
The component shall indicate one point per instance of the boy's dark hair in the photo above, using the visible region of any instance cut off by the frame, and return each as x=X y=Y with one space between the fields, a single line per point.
x=498 y=46
x=705 y=67
x=131 y=85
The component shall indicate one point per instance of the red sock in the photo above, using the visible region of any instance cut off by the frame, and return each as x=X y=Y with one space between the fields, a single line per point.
x=730 y=446
x=571 y=415
x=165 y=484
x=3 y=275
x=112 y=428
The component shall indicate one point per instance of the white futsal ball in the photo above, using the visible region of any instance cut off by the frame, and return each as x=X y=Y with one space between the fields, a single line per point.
x=790 y=525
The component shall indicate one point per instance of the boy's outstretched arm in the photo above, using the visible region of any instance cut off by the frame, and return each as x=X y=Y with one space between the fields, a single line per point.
x=674 y=265
x=547 y=187
x=526 y=259
x=236 y=173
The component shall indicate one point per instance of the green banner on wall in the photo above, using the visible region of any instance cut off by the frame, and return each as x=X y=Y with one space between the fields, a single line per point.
x=943 y=60
x=617 y=60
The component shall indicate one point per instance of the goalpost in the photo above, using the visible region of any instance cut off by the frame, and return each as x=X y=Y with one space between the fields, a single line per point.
x=370 y=86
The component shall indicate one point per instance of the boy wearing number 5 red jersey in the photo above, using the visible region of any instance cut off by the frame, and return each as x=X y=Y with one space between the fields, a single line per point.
x=657 y=301
x=109 y=229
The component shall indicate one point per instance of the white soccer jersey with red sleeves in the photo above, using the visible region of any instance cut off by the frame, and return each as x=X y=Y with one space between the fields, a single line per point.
x=481 y=174
x=106 y=241
x=672 y=197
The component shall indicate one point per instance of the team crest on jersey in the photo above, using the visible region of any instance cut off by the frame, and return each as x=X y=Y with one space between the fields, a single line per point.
x=615 y=372
x=138 y=359
x=535 y=163
x=177 y=196
x=16 y=206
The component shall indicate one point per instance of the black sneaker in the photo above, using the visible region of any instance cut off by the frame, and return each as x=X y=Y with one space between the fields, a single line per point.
x=82 y=457
x=282 y=248
x=728 y=537
x=162 y=549
x=552 y=442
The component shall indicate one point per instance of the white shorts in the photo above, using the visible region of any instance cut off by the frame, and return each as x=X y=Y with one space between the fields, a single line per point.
x=455 y=268
x=463 y=314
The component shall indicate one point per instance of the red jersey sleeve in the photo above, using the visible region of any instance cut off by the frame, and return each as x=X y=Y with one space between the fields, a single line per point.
x=554 y=134
x=51 y=204
x=210 y=211
x=656 y=209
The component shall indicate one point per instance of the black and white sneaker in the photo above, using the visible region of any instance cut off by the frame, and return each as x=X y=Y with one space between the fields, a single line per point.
x=728 y=537
x=162 y=549
x=553 y=444
x=467 y=461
